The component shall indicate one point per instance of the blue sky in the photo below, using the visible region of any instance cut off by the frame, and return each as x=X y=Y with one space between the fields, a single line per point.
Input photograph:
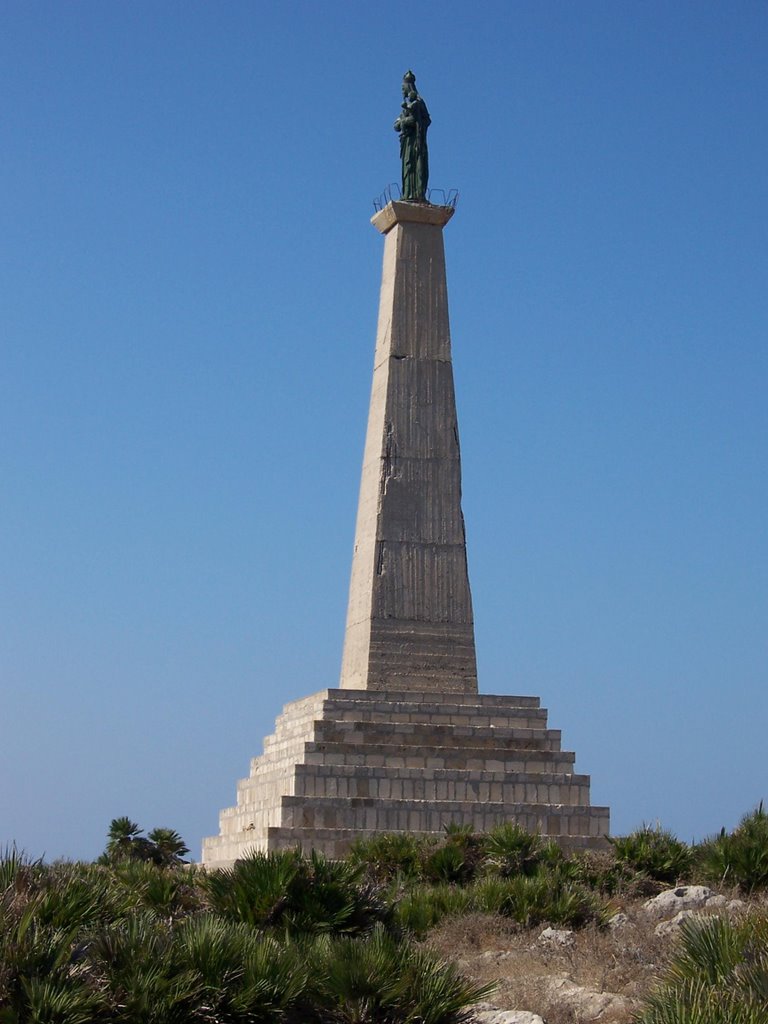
x=188 y=299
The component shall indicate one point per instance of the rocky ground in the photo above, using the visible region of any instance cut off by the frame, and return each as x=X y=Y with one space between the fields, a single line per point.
x=552 y=976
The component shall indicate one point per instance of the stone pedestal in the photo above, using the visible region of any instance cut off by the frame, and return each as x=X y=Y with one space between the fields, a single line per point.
x=407 y=743
x=347 y=763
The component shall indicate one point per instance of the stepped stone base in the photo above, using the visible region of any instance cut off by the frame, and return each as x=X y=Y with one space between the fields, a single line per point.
x=344 y=764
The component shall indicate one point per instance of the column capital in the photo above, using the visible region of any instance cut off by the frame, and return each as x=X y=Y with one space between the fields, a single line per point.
x=411 y=213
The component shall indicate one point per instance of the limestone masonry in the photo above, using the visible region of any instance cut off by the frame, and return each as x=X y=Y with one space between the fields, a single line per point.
x=407 y=743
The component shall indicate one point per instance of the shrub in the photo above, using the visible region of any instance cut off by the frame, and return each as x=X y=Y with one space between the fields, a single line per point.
x=448 y=864
x=655 y=851
x=602 y=872
x=422 y=908
x=511 y=850
x=376 y=980
x=740 y=858
x=547 y=898
x=719 y=976
x=297 y=895
x=390 y=855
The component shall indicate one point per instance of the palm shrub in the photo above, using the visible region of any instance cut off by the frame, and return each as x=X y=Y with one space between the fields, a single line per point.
x=422 y=907
x=162 y=890
x=448 y=864
x=297 y=895
x=549 y=898
x=390 y=855
x=36 y=980
x=719 y=975
x=471 y=844
x=377 y=980
x=656 y=852
x=162 y=846
x=512 y=850
x=238 y=974
x=602 y=872
x=131 y=963
x=741 y=857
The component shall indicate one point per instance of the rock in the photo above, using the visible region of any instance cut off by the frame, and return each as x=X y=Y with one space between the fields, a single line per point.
x=735 y=906
x=585 y=1002
x=716 y=901
x=672 y=926
x=684 y=897
x=556 y=937
x=618 y=921
x=485 y=1013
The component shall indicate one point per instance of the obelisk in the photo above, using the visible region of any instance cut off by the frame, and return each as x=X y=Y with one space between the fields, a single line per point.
x=406 y=743
x=409 y=619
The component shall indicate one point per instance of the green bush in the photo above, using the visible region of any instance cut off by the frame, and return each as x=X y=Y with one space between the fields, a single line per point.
x=423 y=907
x=511 y=850
x=297 y=895
x=448 y=864
x=719 y=976
x=740 y=858
x=390 y=855
x=656 y=852
x=549 y=897
x=376 y=980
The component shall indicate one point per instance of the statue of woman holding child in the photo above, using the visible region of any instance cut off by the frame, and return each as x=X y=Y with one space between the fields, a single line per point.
x=412 y=125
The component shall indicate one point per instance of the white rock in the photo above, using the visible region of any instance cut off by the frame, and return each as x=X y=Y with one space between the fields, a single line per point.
x=485 y=1013
x=717 y=901
x=618 y=921
x=556 y=937
x=586 y=1003
x=684 y=897
x=735 y=906
x=672 y=926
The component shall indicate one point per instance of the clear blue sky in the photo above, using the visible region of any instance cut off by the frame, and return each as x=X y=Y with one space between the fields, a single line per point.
x=189 y=288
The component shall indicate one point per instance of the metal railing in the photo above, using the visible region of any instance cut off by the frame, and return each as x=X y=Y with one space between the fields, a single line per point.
x=435 y=197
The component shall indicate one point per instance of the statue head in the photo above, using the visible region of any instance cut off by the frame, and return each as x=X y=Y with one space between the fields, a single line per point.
x=409 y=84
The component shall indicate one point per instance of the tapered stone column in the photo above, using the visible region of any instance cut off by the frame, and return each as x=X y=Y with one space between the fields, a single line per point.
x=407 y=744
x=409 y=619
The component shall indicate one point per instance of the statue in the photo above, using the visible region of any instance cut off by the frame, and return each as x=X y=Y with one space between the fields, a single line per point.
x=412 y=125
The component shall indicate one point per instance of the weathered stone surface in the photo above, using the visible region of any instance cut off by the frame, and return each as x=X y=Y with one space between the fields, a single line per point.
x=586 y=1003
x=619 y=921
x=407 y=743
x=484 y=1013
x=672 y=901
x=672 y=927
x=343 y=764
x=556 y=937
x=409 y=619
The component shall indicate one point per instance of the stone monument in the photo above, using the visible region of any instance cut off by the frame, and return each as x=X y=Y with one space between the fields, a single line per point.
x=406 y=743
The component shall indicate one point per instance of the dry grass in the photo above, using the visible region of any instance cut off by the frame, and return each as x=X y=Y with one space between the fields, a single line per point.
x=626 y=962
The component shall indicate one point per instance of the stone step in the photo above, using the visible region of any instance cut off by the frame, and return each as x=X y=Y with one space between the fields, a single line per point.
x=499 y=759
x=336 y=843
x=405 y=773
x=408 y=737
x=223 y=850
x=436 y=735
x=434 y=815
x=565 y=791
x=432 y=697
x=352 y=709
x=451 y=714
x=534 y=721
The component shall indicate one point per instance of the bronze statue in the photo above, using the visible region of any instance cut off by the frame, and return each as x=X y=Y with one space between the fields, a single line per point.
x=412 y=125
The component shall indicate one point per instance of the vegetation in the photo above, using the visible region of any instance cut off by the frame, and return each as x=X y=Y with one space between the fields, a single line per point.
x=719 y=976
x=141 y=936
x=655 y=852
x=740 y=858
